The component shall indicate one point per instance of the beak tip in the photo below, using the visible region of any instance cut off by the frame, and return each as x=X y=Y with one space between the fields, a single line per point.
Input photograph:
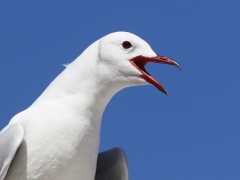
x=177 y=65
x=165 y=92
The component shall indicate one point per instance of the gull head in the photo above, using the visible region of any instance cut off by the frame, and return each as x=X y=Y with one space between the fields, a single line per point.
x=125 y=55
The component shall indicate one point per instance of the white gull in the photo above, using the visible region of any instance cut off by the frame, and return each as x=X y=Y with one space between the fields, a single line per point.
x=57 y=137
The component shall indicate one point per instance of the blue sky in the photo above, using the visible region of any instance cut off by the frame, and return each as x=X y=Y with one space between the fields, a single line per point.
x=191 y=134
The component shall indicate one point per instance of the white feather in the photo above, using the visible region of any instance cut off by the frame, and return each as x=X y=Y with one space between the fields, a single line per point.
x=62 y=127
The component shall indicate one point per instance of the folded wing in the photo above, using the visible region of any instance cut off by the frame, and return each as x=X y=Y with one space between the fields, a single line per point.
x=10 y=139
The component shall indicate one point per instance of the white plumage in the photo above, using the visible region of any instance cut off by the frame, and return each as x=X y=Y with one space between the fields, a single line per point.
x=62 y=127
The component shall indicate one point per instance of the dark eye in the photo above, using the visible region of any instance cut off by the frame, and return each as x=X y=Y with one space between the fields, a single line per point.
x=126 y=45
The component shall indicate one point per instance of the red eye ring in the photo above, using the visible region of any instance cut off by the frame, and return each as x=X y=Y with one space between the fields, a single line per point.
x=126 y=45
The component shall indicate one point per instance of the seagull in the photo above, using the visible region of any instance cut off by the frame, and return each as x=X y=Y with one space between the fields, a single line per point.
x=58 y=136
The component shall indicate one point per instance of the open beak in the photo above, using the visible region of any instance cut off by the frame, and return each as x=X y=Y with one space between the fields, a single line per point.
x=139 y=62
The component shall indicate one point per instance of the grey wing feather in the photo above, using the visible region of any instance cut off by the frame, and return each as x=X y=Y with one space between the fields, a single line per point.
x=10 y=139
x=112 y=165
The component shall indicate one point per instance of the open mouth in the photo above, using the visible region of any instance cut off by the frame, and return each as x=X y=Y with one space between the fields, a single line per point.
x=139 y=62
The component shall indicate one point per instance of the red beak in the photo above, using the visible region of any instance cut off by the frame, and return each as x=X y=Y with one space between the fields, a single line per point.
x=139 y=62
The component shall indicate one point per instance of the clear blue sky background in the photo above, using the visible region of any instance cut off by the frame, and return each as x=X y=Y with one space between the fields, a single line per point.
x=194 y=132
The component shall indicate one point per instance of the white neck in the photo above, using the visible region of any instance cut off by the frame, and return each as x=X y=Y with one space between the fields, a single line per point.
x=74 y=103
x=85 y=80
